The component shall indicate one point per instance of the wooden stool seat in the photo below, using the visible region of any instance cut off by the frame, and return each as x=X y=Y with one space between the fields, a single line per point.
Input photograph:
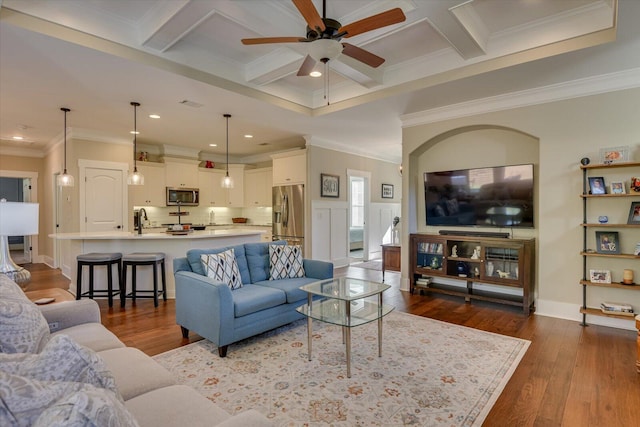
x=93 y=259
x=143 y=258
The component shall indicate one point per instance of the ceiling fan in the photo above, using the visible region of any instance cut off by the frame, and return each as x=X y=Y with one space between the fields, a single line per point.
x=324 y=35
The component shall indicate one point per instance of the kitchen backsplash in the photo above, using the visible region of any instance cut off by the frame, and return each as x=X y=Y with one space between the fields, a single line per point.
x=203 y=215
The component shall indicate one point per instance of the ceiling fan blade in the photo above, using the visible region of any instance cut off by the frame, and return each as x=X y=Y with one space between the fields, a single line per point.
x=310 y=14
x=362 y=55
x=373 y=22
x=265 y=40
x=307 y=66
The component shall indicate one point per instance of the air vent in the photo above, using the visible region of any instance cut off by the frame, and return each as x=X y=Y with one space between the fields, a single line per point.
x=191 y=103
x=264 y=143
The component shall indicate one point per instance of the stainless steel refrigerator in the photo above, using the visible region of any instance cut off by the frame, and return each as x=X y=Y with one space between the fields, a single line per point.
x=288 y=214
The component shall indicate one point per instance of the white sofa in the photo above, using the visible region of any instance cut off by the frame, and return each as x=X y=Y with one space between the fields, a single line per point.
x=60 y=366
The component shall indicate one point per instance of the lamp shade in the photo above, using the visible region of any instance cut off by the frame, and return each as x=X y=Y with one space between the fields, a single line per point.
x=18 y=219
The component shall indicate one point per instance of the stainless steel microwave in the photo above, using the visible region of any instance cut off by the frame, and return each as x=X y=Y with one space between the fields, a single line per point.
x=183 y=196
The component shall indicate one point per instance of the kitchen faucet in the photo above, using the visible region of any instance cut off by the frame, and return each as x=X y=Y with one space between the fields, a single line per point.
x=146 y=218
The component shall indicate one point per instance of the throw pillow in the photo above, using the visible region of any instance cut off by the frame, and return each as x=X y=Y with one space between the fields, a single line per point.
x=62 y=359
x=23 y=328
x=223 y=268
x=285 y=261
x=24 y=400
x=87 y=408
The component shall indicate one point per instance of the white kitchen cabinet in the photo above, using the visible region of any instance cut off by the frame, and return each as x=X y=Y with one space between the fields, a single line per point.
x=211 y=192
x=181 y=173
x=257 y=187
x=290 y=168
x=235 y=195
x=152 y=193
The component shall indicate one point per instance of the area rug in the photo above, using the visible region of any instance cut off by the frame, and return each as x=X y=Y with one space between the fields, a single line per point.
x=370 y=265
x=431 y=373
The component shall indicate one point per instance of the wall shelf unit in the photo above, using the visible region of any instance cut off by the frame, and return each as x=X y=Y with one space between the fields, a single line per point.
x=508 y=263
x=589 y=256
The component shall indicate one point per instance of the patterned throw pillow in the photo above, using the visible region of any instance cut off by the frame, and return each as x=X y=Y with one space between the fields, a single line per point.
x=23 y=328
x=285 y=261
x=27 y=401
x=62 y=359
x=223 y=268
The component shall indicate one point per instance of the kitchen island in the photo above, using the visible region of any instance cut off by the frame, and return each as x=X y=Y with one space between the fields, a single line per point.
x=173 y=245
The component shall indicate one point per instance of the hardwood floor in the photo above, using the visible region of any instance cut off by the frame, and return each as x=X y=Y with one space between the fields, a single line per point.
x=570 y=376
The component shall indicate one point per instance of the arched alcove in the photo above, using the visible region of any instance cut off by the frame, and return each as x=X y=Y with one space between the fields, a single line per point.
x=465 y=148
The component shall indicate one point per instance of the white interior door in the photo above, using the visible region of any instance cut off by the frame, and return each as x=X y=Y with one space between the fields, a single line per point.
x=103 y=199
x=26 y=197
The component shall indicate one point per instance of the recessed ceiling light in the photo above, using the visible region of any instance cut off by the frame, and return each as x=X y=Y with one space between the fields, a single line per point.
x=133 y=132
x=213 y=145
x=154 y=116
x=315 y=74
x=18 y=138
x=248 y=136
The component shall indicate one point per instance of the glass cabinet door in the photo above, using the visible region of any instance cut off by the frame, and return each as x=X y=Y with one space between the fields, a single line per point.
x=502 y=263
x=430 y=255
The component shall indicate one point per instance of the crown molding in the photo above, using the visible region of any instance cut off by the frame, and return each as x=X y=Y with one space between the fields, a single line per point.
x=612 y=82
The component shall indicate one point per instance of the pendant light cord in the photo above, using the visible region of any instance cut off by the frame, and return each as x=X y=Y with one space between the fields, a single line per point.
x=227 y=117
x=135 y=135
x=66 y=110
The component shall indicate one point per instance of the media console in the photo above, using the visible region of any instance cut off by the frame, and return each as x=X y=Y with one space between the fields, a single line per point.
x=454 y=265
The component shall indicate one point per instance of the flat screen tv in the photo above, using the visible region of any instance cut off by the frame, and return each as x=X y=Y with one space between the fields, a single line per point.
x=500 y=196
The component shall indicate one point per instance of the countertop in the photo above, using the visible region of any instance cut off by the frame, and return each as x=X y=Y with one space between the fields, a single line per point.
x=125 y=235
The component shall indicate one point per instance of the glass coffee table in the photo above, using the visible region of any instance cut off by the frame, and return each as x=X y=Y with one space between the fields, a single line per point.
x=344 y=302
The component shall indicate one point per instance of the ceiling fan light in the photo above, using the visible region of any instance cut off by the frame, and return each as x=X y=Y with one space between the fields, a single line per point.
x=315 y=73
x=325 y=48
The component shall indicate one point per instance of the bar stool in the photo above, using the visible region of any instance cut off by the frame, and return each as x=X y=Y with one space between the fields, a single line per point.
x=97 y=259
x=143 y=258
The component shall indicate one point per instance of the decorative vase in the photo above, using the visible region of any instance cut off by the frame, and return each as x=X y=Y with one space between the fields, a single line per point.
x=627 y=277
x=462 y=269
x=489 y=269
x=434 y=263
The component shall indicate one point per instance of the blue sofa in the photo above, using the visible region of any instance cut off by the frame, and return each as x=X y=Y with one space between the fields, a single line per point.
x=213 y=311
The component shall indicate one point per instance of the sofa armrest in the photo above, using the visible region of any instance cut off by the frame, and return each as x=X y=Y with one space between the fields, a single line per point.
x=204 y=306
x=70 y=313
x=317 y=269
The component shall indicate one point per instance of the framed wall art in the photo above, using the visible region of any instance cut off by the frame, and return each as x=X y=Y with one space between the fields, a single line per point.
x=329 y=185
x=614 y=154
x=607 y=242
x=387 y=191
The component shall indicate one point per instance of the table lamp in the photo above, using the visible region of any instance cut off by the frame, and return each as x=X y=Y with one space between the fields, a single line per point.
x=16 y=219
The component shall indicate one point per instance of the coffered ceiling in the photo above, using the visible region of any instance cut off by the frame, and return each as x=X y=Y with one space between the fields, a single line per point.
x=95 y=56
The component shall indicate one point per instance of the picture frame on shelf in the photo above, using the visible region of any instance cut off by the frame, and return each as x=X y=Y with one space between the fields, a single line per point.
x=634 y=213
x=617 y=187
x=596 y=185
x=600 y=276
x=614 y=154
x=387 y=191
x=607 y=242
x=635 y=185
x=329 y=185
x=636 y=251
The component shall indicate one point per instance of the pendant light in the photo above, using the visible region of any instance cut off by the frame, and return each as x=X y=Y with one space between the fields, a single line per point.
x=135 y=178
x=65 y=180
x=227 y=182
